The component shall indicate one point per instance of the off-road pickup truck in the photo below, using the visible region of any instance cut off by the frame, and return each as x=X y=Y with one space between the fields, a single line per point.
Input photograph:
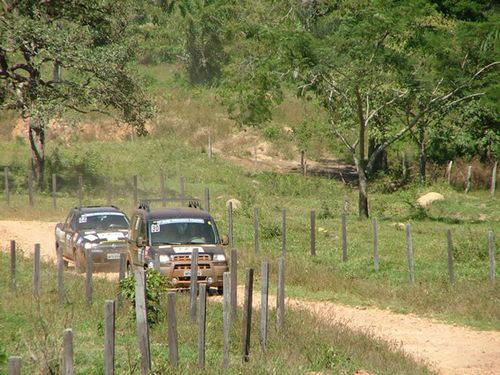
x=100 y=229
x=169 y=236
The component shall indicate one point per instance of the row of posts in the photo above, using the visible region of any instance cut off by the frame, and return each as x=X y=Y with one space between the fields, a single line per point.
x=229 y=311
x=163 y=191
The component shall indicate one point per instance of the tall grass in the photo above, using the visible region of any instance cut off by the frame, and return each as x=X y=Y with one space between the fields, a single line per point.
x=33 y=328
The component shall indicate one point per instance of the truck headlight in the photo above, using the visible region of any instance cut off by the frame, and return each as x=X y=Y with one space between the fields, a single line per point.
x=165 y=258
x=219 y=257
x=89 y=245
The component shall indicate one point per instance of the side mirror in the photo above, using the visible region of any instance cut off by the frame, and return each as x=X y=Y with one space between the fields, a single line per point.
x=140 y=242
x=225 y=240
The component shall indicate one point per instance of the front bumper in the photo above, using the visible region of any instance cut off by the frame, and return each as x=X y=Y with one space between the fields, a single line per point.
x=209 y=273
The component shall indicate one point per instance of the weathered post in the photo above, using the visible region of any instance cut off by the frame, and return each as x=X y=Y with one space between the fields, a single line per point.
x=162 y=189
x=344 y=236
x=60 y=274
x=30 y=188
x=469 y=178
x=6 y=187
x=13 y=282
x=234 y=282
x=247 y=315
x=283 y=231
x=109 y=337
x=173 y=350
x=280 y=296
x=448 y=171
x=375 y=243
x=89 y=270
x=183 y=188
x=493 y=179
x=451 y=272
x=207 y=199
x=226 y=314
x=202 y=326
x=68 y=361
x=14 y=365
x=409 y=254
x=135 y=183
x=80 y=189
x=264 y=304
x=121 y=275
x=54 y=190
x=193 y=285
x=142 y=320
x=230 y=224
x=491 y=252
x=209 y=145
x=313 y=232
x=256 y=229
x=36 y=271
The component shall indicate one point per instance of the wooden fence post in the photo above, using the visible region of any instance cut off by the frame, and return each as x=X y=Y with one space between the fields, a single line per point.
x=36 y=271
x=207 y=199
x=109 y=337
x=230 y=224
x=280 y=296
x=68 y=361
x=451 y=272
x=469 y=177
x=14 y=365
x=256 y=229
x=313 y=232
x=135 y=184
x=375 y=244
x=283 y=231
x=493 y=179
x=30 y=188
x=121 y=275
x=6 y=187
x=409 y=253
x=226 y=314
x=491 y=253
x=193 y=290
x=209 y=151
x=80 y=189
x=448 y=171
x=247 y=315
x=89 y=270
x=54 y=190
x=173 y=349
x=13 y=282
x=264 y=304
x=60 y=274
x=141 y=317
x=182 y=182
x=234 y=282
x=202 y=326
x=162 y=189
x=344 y=236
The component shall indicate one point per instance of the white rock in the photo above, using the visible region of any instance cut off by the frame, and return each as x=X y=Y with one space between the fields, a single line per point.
x=236 y=203
x=427 y=199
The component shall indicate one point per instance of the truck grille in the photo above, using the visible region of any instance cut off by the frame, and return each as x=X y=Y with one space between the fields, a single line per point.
x=187 y=258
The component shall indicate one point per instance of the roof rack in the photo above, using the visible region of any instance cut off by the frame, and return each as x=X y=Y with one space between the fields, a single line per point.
x=144 y=204
x=95 y=206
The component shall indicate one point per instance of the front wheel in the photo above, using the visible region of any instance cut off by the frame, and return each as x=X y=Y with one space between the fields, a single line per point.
x=130 y=271
x=220 y=290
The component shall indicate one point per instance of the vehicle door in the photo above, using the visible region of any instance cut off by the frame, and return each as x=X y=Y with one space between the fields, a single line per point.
x=66 y=235
x=71 y=233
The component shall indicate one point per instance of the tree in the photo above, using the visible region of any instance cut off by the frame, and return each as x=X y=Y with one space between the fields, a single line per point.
x=58 y=55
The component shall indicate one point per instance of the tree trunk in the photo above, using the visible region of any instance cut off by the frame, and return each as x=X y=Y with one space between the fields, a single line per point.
x=380 y=162
x=36 y=134
x=422 y=156
x=361 y=162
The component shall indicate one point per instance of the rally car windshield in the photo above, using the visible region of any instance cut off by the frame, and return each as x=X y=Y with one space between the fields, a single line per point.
x=102 y=221
x=183 y=231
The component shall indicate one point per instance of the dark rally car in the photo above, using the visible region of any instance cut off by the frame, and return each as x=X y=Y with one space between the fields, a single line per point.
x=101 y=230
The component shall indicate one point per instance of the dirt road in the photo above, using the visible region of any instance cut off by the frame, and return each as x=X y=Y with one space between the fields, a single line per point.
x=449 y=349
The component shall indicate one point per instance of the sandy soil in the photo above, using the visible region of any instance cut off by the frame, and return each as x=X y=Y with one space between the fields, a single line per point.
x=448 y=349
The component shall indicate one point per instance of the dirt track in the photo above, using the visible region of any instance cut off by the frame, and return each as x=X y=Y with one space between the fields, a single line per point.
x=449 y=349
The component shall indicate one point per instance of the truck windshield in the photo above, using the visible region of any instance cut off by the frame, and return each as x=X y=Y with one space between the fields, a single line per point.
x=102 y=221
x=183 y=231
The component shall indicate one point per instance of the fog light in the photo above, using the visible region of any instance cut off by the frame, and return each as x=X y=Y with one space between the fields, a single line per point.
x=151 y=264
x=174 y=281
x=210 y=280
